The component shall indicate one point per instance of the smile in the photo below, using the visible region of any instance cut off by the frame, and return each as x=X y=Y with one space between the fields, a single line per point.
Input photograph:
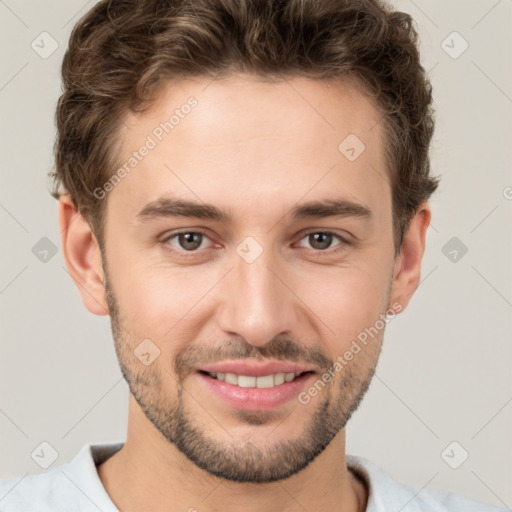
x=250 y=381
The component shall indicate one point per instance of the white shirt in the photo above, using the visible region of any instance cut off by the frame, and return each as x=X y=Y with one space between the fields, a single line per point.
x=76 y=487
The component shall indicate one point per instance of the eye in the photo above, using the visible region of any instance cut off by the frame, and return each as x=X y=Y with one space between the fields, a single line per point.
x=322 y=240
x=192 y=241
x=188 y=241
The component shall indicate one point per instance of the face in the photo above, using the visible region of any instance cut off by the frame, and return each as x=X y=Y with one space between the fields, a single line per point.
x=286 y=258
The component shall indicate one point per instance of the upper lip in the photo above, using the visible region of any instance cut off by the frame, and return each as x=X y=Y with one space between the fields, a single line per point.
x=255 y=369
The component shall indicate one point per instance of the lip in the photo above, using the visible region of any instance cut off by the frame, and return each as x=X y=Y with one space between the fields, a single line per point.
x=254 y=399
x=255 y=369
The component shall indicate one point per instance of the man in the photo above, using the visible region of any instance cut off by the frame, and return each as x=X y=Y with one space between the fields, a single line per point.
x=244 y=189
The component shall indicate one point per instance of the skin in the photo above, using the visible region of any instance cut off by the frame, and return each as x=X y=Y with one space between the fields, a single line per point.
x=255 y=149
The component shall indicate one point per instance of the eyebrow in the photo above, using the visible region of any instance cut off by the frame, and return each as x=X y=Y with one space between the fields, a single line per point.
x=166 y=207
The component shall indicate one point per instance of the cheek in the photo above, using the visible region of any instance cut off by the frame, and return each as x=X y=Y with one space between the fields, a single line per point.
x=158 y=300
x=347 y=300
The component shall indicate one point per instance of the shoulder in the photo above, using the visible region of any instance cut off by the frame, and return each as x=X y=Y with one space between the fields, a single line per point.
x=50 y=490
x=385 y=493
x=446 y=501
x=71 y=487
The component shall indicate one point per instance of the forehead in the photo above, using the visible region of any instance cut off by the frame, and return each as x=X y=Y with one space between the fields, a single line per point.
x=278 y=140
x=244 y=105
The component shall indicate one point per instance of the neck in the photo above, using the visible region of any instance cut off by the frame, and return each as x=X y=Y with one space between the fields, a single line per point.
x=149 y=473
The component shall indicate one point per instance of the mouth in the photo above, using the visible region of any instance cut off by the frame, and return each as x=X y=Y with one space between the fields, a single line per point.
x=254 y=387
x=251 y=381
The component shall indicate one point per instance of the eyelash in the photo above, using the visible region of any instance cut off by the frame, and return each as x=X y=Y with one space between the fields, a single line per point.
x=183 y=253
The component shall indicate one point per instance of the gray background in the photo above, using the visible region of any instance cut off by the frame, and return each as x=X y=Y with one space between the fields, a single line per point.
x=445 y=372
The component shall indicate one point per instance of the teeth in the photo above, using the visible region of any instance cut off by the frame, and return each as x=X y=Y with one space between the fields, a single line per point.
x=247 y=381
x=230 y=378
x=278 y=379
x=266 y=381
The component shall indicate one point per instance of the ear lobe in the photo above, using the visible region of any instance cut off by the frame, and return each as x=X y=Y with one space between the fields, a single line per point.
x=407 y=268
x=82 y=256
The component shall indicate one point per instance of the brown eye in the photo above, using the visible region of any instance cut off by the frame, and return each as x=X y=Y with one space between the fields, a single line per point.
x=190 y=241
x=186 y=241
x=320 y=241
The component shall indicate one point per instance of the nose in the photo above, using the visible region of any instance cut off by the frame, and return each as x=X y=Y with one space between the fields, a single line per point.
x=256 y=301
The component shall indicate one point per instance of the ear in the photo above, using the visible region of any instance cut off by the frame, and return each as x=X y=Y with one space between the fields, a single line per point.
x=82 y=256
x=407 y=267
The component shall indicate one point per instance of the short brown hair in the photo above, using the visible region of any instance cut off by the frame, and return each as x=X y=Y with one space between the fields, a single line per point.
x=121 y=51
